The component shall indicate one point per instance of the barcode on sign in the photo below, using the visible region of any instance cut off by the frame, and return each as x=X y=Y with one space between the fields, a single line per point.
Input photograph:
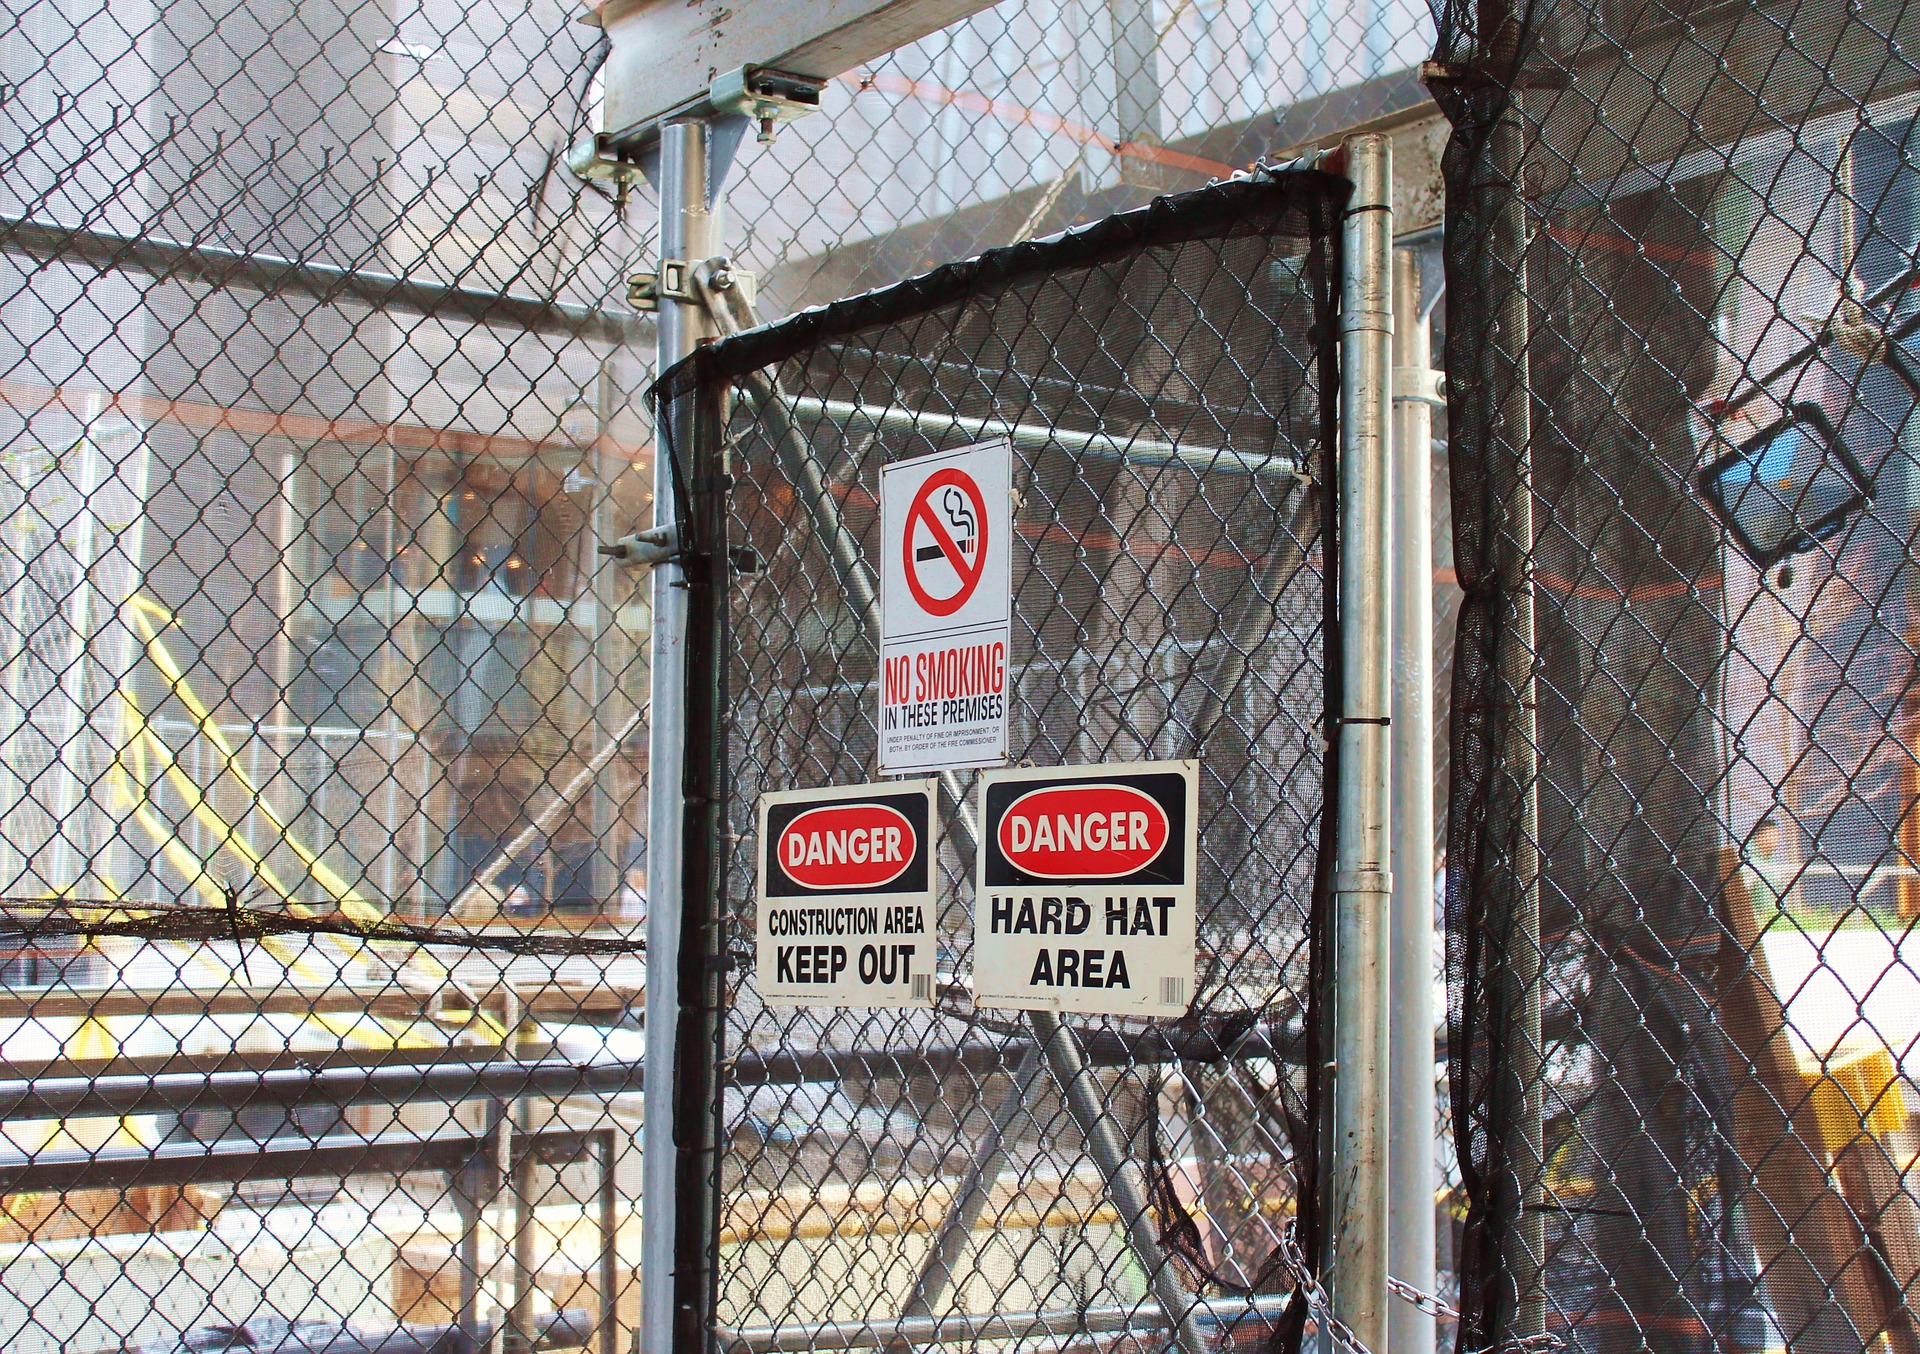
x=1173 y=991
x=923 y=987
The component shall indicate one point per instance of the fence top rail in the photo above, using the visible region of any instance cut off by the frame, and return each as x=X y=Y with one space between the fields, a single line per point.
x=1165 y=220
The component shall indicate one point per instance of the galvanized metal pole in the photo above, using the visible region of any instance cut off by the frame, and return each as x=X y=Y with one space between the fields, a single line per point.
x=1410 y=1113
x=686 y=234
x=1355 y=1260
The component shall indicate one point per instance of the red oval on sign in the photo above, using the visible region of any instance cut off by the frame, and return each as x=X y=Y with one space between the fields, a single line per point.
x=1083 y=831
x=846 y=846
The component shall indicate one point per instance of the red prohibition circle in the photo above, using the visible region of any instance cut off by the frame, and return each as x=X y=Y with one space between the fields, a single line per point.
x=922 y=510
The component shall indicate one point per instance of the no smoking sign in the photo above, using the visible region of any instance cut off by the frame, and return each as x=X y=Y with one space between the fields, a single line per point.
x=946 y=526
x=946 y=608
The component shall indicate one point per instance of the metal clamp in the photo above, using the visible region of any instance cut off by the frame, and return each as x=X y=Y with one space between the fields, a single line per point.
x=768 y=96
x=672 y=282
x=645 y=549
x=599 y=156
x=1420 y=385
x=676 y=281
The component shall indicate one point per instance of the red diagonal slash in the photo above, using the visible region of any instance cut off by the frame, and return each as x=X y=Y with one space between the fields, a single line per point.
x=922 y=510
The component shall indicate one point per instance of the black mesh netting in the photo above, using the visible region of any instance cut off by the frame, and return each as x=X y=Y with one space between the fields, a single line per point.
x=1166 y=378
x=1681 y=248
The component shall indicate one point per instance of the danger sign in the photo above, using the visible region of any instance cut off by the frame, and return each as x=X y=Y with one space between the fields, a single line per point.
x=1085 y=896
x=946 y=608
x=846 y=904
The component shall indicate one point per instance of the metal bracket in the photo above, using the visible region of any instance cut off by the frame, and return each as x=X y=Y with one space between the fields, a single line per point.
x=769 y=97
x=599 y=156
x=1420 y=385
x=675 y=282
x=645 y=549
x=722 y=276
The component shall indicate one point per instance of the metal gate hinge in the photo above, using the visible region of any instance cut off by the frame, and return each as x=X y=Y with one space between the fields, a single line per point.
x=722 y=276
x=645 y=549
x=1420 y=385
x=673 y=281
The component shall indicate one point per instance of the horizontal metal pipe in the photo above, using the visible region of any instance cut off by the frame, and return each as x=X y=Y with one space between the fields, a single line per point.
x=569 y=1328
x=195 y=1163
x=970 y=1327
x=237 y=1159
x=496 y=1077
x=1039 y=436
x=50 y=242
x=238 y=1060
x=1101 y=1049
x=113 y=1096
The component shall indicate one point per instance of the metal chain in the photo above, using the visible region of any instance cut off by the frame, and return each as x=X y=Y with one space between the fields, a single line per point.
x=1317 y=1300
x=1432 y=1304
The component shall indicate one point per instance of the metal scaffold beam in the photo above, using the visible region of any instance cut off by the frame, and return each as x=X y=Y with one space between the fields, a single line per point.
x=49 y=242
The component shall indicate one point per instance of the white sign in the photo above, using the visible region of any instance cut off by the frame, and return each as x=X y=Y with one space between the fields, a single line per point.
x=1085 y=897
x=946 y=606
x=845 y=900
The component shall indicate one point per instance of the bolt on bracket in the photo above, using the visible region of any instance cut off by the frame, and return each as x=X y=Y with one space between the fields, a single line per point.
x=645 y=549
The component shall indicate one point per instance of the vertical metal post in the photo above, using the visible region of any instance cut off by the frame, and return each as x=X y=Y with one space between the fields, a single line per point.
x=609 y=1244
x=520 y=1177
x=1516 y=940
x=600 y=582
x=1355 y=1260
x=1133 y=32
x=468 y=1192
x=1410 y=1127
x=685 y=234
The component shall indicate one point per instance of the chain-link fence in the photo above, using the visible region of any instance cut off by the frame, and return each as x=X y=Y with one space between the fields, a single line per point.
x=1166 y=381
x=323 y=743
x=320 y=728
x=1681 y=256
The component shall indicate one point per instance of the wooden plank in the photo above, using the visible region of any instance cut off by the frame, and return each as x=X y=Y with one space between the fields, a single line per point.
x=665 y=53
x=1877 y=1190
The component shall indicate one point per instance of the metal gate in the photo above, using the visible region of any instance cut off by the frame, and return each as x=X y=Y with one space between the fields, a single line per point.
x=878 y=1179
